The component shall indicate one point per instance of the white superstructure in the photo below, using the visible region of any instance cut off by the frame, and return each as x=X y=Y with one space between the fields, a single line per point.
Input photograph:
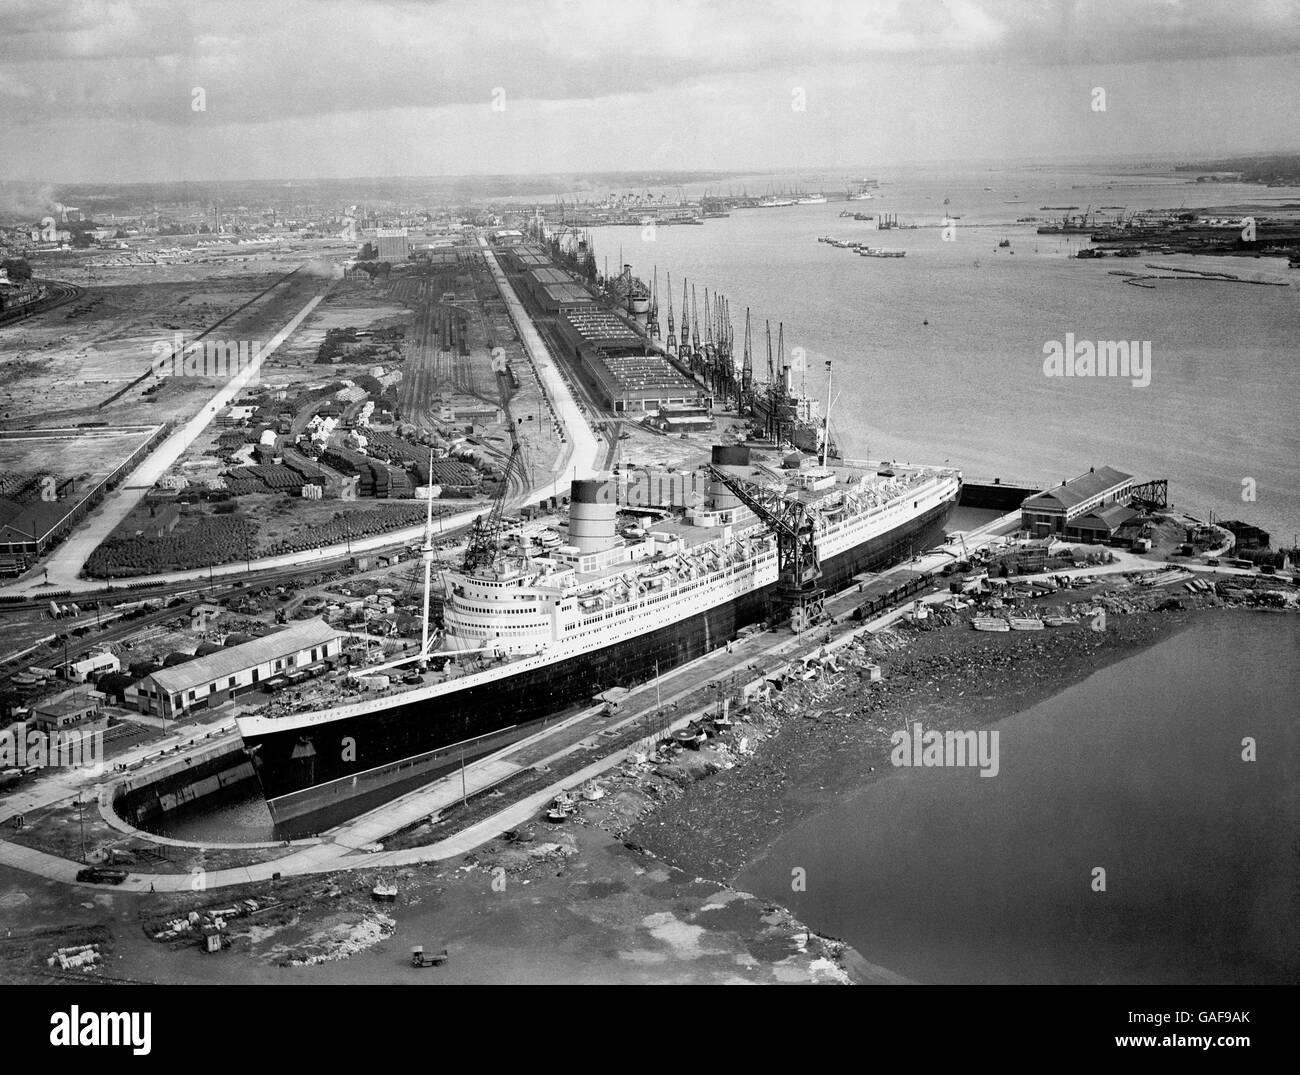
x=574 y=601
x=525 y=611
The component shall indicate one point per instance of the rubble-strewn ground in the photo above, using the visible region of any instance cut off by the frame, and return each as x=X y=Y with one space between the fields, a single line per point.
x=573 y=905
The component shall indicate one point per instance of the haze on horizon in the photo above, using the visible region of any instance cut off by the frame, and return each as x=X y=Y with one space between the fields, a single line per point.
x=104 y=90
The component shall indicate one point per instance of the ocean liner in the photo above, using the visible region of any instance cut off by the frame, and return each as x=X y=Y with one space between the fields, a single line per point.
x=528 y=631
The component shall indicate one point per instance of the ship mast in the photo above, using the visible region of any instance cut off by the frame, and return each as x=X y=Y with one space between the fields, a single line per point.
x=781 y=412
x=426 y=553
x=653 y=326
x=826 y=433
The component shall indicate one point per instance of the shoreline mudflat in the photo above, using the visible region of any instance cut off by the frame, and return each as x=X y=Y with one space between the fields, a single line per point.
x=819 y=741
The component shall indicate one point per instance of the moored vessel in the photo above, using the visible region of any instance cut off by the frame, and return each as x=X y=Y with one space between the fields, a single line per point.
x=526 y=636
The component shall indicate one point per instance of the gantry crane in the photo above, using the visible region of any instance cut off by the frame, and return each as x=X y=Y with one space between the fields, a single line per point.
x=670 y=344
x=684 y=340
x=485 y=533
x=746 y=395
x=798 y=564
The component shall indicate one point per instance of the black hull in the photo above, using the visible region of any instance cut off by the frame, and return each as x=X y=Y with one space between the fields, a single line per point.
x=340 y=769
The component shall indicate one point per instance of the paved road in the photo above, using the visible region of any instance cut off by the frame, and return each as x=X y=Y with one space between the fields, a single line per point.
x=64 y=566
x=582 y=451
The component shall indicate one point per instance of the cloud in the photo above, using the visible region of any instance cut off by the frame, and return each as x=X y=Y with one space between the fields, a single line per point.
x=138 y=60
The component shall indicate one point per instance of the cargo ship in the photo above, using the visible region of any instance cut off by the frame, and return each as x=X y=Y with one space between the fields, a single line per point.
x=531 y=633
x=784 y=416
x=630 y=294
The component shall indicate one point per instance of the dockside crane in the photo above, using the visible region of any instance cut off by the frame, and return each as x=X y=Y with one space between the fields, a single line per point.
x=798 y=563
x=695 y=325
x=684 y=348
x=727 y=350
x=771 y=377
x=670 y=345
x=747 y=372
x=710 y=350
x=652 y=324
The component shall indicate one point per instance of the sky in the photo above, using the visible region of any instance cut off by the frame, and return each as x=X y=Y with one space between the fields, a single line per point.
x=109 y=90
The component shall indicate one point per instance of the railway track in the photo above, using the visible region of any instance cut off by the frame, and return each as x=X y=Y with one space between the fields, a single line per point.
x=57 y=293
x=11 y=666
x=149 y=369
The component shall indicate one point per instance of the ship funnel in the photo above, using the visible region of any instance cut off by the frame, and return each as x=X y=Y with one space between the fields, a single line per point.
x=727 y=455
x=787 y=380
x=731 y=455
x=593 y=509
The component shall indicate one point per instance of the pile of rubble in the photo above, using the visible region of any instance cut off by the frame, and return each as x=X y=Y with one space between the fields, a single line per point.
x=1266 y=592
x=343 y=939
x=198 y=923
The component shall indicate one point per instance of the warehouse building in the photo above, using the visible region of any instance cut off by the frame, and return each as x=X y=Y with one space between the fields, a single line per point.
x=213 y=679
x=73 y=712
x=684 y=417
x=553 y=298
x=555 y=290
x=1080 y=509
x=627 y=375
x=1101 y=525
x=642 y=384
x=393 y=244
x=525 y=256
x=90 y=667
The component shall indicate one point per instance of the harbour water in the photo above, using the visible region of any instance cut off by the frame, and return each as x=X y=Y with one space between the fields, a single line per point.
x=945 y=876
x=969 y=386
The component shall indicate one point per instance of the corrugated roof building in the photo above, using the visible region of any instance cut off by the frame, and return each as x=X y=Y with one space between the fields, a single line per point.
x=213 y=679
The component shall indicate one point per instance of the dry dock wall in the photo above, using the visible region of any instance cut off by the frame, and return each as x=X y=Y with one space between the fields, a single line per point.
x=142 y=800
x=994 y=495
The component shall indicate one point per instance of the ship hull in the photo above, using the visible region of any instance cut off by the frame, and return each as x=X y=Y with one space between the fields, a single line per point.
x=320 y=777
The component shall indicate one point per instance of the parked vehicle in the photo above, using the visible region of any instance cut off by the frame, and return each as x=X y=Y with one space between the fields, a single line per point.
x=99 y=875
x=419 y=958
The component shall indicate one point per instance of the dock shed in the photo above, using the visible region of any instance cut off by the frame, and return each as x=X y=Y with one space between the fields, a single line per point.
x=213 y=679
x=1062 y=510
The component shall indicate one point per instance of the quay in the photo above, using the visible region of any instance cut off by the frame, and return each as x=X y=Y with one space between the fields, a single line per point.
x=647 y=713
